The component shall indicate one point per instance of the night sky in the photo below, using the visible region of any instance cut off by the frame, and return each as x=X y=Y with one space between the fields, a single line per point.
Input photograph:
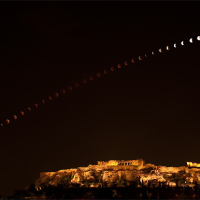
x=148 y=110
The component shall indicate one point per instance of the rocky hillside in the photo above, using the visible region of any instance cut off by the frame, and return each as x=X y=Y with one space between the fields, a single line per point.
x=121 y=175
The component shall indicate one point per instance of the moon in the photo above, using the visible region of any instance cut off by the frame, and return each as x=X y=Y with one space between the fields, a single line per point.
x=140 y=58
x=182 y=43
x=198 y=38
x=152 y=52
x=91 y=78
x=70 y=87
x=160 y=50
x=98 y=74
x=105 y=71
x=76 y=84
x=167 y=47
x=191 y=40
x=174 y=45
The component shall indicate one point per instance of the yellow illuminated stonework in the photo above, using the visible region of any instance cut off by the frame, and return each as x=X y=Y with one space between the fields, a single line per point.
x=191 y=164
x=124 y=171
x=138 y=162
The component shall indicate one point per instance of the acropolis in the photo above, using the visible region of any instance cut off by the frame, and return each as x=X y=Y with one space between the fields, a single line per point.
x=123 y=172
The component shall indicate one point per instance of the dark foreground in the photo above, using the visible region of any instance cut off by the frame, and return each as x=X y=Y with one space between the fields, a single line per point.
x=129 y=192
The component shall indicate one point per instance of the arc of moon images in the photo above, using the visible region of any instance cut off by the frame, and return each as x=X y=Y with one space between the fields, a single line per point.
x=92 y=77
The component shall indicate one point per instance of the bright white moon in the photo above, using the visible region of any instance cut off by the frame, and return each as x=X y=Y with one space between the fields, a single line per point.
x=191 y=40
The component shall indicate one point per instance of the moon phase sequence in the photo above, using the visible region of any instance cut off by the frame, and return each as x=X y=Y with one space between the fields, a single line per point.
x=91 y=78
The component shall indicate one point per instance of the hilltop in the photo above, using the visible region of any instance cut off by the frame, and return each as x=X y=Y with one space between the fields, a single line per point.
x=117 y=179
x=122 y=173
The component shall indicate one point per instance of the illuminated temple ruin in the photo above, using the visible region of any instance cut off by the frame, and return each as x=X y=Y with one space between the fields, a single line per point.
x=123 y=172
x=139 y=162
x=191 y=164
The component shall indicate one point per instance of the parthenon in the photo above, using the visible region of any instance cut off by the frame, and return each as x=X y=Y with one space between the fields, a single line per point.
x=138 y=162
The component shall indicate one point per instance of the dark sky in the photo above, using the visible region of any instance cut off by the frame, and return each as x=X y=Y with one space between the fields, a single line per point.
x=147 y=110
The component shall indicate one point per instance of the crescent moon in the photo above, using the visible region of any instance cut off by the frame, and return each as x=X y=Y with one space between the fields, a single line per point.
x=182 y=43
x=56 y=94
x=112 y=69
x=198 y=38
x=167 y=47
x=174 y=45
x=191 y=40
x=70 y=87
